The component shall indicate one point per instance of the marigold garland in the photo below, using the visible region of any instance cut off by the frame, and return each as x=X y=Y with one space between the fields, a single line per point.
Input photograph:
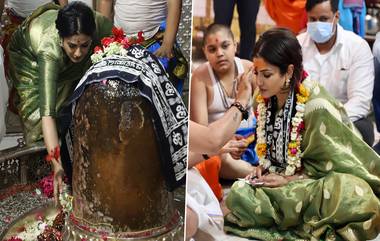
x=297 y=125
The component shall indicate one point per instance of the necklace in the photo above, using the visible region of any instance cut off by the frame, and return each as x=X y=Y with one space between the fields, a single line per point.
x=297 y=125
x=223 y=91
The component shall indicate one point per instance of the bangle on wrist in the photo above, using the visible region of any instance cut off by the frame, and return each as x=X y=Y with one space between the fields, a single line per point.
x=243 y=110
x=54 y=154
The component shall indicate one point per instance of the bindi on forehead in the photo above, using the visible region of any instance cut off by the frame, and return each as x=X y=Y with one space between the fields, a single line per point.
x=259 y=64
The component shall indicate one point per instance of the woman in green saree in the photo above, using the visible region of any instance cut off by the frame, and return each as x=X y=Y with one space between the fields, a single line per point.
x=317 y=179
x=48 y=55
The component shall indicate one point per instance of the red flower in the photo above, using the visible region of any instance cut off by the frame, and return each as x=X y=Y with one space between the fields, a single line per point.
x=107 y=41
x=304 y=74
x=125 y=43
x=301 y=126
x=46 y=185
x=140 y=37
x=118 y=34
x=97 y=49
x=14 y=239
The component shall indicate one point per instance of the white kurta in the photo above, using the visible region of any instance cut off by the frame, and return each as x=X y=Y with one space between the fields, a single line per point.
x=144 y=15
x=24 y=8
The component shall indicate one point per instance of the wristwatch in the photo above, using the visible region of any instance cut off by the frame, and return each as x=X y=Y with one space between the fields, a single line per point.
x=243 y=110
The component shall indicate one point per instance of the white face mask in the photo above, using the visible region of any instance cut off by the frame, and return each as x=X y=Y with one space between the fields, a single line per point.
x=320 y=32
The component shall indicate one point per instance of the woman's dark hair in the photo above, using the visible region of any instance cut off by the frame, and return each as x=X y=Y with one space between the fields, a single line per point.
x=310 y=4
x=75 y=18
x=279 y=47
x=213 y=28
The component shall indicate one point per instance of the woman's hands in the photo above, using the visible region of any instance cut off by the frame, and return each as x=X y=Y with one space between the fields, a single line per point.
x=271 y=179
x=50 y=133
x=58 y=179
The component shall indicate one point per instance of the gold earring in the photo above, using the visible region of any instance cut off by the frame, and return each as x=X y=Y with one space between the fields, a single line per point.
x=287 y=83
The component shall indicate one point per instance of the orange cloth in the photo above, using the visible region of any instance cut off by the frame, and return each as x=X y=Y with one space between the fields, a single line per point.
x=287 y=13
x=209 y=169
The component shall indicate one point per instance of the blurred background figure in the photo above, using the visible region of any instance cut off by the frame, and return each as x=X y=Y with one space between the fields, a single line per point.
x=90 y=3
x=287 y=13
x=376 y=88
x=352 y=15
x=3 y=96
x=247 y=13
x=158 y=20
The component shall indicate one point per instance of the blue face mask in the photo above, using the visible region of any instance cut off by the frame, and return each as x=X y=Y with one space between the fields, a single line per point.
x=320 y=32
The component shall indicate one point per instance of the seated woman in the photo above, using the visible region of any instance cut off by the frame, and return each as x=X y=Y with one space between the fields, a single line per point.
x=46 y=62
x=213 y=91
x=317 y=179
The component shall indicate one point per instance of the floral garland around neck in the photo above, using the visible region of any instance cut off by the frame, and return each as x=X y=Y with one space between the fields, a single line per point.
x=115 y=45
x=294 y=145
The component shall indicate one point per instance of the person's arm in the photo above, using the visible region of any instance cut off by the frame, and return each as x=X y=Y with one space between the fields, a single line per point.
x=49 y=131
x=48 y=69
x=360 y=83
x=105 y=7
x=198 y=96
x=210 y=139
x=172 y=22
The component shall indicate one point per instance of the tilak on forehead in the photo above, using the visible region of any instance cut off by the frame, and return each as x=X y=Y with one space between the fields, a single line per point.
x=259 y=63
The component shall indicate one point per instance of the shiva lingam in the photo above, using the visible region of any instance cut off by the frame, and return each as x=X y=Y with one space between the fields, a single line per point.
x=118 y=186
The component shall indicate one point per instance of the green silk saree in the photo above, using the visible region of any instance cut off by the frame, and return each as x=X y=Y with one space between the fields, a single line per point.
x=338 y=200
x=40 y=70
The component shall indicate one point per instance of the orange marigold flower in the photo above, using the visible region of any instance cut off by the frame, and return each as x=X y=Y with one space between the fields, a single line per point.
x=301 y=99
x=259 y=99
x=303 y=91
x=261 y=149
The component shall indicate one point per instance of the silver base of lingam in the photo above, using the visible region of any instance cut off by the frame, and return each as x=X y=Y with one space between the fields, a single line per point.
x=79 y=230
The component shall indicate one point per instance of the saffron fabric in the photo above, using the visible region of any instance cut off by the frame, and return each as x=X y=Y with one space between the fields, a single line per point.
x=209 y=169
x=337 y=201
x=287 y=13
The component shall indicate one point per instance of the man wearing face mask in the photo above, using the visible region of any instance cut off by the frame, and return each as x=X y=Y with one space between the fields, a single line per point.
x=341 y=61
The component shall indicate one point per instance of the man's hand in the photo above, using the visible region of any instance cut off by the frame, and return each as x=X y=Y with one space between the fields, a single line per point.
x=233 y=146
